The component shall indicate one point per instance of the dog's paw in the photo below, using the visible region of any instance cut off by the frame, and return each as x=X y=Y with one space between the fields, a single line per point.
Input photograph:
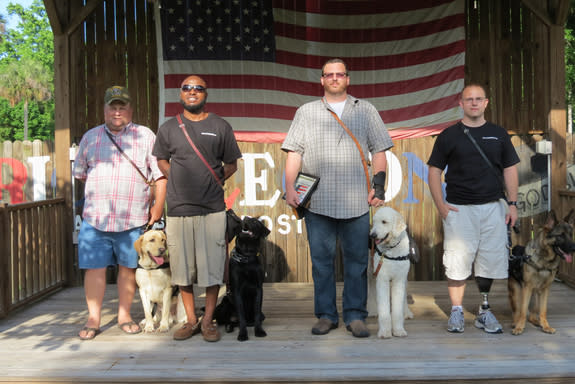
x=147 y=327
x=534 y=319
x=384 y=334
x=407 y=314
x=548 y=330
x=399 y=332
x=164 y=327
x=243 y=336
x=517 y=331
x=259 y=332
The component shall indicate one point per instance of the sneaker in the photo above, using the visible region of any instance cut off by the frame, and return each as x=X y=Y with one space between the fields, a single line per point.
x=323 y=326
x=456 y=322
x=487 y=321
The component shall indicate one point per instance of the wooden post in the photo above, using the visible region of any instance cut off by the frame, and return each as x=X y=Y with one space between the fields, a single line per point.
x=557 y=115
x=62 y=138
x=5 y=294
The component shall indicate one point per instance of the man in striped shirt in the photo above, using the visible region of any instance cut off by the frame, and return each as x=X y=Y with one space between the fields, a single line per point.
x=118 y=203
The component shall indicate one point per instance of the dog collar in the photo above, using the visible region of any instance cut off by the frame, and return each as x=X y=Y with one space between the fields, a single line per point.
x=397 y=258
x=239 y=258
x=164 y=265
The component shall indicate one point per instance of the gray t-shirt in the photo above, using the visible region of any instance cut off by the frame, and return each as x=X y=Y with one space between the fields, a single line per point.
x=192 y=189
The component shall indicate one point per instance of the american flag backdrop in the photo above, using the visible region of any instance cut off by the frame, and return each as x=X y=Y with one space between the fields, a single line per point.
x=261 y=59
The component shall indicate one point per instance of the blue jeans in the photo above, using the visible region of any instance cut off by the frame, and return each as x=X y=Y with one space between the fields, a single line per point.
x=353 y=234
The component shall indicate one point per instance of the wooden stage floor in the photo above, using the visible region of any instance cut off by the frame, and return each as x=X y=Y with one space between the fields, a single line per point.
x=39 y=344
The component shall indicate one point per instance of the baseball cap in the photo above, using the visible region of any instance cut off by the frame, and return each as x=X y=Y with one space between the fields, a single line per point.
x=117 y=93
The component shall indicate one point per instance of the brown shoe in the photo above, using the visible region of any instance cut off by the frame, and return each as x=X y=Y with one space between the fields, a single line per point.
x=323 y=326
x=358 y=328
x=188 y=330
x=211 y=332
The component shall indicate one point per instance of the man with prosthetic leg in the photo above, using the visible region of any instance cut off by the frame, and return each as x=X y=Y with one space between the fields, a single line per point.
x=480 y=201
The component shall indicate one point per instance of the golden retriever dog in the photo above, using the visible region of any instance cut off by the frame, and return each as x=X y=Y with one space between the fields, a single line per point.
x=389 y=267
x=532 y=269
x=154 y=281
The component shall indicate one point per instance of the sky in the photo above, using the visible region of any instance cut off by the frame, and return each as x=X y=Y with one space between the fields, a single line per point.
x=12 y=21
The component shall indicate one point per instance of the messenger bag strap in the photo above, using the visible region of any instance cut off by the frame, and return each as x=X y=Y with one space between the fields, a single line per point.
x=483 y=155
x=198 y=151
x=149 y=182
x=363 y=160
x=499 y=177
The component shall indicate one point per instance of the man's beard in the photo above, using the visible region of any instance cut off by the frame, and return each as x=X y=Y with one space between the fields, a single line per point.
x=194 y=109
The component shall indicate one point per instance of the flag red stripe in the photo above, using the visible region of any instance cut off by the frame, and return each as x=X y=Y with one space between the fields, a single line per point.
x=374 y=62
x=282 y=112
x=419 y=110
x=347 y=8
x=314 y=89
x=376 y=35
x=396 y=134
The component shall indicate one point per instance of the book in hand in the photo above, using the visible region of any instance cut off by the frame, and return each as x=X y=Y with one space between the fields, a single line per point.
x=305 y=184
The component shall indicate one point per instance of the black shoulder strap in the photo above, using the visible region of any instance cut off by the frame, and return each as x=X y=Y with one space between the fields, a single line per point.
x=499 y=177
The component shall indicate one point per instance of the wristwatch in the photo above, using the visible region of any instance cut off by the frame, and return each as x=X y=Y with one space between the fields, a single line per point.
x=512 y=203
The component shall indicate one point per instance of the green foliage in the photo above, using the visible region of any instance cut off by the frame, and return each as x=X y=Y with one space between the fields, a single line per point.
x=26 y=75
x=570 y=55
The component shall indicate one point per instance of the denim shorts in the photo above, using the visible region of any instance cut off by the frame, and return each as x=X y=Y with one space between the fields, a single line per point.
x=98 y=249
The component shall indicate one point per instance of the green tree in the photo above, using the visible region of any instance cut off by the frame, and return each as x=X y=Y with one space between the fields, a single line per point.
x=25 y=80
x=26 y=75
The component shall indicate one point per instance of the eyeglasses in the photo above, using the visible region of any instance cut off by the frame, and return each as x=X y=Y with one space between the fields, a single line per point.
x=470 y=100
x=338 y=75
x=197 y=88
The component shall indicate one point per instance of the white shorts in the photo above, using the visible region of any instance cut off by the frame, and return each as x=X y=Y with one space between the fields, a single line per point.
x=476 y=237
x=197 y=248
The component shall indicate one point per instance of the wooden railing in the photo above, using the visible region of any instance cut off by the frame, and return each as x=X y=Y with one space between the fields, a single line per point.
x=33 y=251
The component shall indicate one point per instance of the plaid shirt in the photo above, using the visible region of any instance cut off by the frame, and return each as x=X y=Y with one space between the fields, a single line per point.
x=330 y=153
x=116 y=195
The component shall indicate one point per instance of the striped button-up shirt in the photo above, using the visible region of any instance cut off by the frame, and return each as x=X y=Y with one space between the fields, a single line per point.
x=330 y=153
x=117 y=198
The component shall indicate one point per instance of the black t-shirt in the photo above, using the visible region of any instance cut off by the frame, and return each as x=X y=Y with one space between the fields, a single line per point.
x=469 y=179
x=192 y=189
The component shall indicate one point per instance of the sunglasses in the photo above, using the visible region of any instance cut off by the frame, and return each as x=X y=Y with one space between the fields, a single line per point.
x=197 y=88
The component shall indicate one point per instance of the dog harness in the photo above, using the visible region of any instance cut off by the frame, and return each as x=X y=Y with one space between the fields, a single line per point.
x=382 y=255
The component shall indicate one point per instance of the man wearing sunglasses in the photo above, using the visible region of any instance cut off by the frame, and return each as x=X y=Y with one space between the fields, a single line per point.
x=196 y=217
x=318 y=144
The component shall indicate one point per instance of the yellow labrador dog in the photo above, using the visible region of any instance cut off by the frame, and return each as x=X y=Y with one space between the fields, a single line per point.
x=154 y=280
x=389 y=269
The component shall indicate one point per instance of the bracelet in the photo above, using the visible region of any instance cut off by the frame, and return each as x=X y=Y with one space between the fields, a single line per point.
x=512 y=203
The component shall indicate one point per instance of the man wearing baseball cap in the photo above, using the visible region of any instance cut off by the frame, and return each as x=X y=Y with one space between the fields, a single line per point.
x=115 y=162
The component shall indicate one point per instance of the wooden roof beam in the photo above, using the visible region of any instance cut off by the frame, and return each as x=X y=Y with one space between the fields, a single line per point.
x=537 y=11
x=561 y=10
x=52 y=12
x=78 y=19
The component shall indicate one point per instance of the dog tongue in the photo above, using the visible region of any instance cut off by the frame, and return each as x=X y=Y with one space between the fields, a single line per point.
x=568 y=257
x=158 y=260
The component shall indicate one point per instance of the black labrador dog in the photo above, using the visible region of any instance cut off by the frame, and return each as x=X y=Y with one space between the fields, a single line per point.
x=242 y=306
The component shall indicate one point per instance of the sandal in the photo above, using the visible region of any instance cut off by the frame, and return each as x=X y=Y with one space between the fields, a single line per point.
x=90 y=333
x=127 y=328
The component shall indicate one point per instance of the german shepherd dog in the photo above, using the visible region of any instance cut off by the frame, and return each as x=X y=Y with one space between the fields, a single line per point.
x=242 y=306
x=532 y=269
